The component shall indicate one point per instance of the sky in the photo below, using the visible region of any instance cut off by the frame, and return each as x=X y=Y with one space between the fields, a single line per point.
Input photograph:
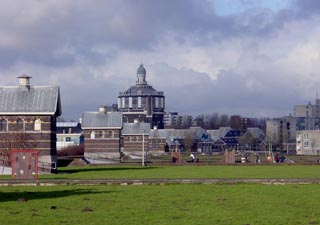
x=254 y=58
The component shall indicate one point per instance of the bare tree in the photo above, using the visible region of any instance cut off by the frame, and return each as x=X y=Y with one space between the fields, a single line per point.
x=189 y=140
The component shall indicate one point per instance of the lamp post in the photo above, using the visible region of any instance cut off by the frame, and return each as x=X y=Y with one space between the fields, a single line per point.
x=143 y=147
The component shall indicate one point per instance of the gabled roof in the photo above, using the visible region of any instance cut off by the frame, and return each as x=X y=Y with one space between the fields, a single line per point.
x=256 y=132
x=235 y=133
x=43 y=100
x=136 y=129
x=68 y=127
x=219 y=133
x=93 y=120
x=227 y=141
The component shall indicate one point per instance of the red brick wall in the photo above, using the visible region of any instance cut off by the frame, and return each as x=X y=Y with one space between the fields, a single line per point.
x=101 y=144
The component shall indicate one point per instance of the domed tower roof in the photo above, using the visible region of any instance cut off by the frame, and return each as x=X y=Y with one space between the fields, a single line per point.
x=141 y=70
x=141 y=74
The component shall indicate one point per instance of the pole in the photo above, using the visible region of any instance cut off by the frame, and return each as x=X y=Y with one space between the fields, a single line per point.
x=143 y=148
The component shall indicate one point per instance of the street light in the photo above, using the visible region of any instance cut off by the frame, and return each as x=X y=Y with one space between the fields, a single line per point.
x=143 y=147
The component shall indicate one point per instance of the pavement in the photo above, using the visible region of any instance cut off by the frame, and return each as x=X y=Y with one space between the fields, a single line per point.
x=53 y=182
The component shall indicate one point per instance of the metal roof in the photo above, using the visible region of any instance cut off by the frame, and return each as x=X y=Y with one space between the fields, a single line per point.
x=235 y=133
x=136 y=128
x=30 y=100
x=68 y=127
x=169 y=134
x=67 y=124
x=141 y=90
x=141 y=70
x=101 y=120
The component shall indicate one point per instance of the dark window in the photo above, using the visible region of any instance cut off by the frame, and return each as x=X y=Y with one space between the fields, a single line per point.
x=20 y=124
x=110 y=134
x=4 y=125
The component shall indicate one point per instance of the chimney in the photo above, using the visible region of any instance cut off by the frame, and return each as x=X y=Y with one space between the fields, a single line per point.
x=24 y=81
x=102 y=108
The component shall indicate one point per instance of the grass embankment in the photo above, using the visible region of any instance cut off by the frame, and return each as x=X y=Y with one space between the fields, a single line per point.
x=184 y=172
x=161 y=204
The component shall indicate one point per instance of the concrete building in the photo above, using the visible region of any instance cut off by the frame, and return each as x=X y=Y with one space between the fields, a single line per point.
x=281 y=133
x=308 y=142
x=308 y=116
x=142 y=102
x=174 y=120
x=28 y=120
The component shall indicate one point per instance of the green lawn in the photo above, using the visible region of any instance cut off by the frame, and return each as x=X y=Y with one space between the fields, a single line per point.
x=194 y=171
x=161 y=204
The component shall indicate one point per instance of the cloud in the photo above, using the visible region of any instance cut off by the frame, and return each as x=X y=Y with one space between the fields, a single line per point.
x=259 y=60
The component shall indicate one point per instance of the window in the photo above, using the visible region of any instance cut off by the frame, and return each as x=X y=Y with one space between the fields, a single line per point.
x=305 y=136
x=133 y=138
x=101 y=134
x=37 y=125
x=93 y=135
x=20 y=125
x=306 y=144
x=110 y=134
x=4 y=125
x=60 y=139
x=68 y=139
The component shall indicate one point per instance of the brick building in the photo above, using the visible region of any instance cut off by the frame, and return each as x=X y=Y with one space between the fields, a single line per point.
x=135 y=137
x=101 y=131
x=28 y=120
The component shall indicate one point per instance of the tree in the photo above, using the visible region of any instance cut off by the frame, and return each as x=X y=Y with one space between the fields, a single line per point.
x=189 y=140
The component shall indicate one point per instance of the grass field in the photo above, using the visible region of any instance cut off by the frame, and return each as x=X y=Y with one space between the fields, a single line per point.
x=194 y=171
x=161 y=204
x=166 y=204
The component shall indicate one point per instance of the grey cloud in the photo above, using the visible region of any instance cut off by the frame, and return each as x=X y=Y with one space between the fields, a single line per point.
x=77 y=45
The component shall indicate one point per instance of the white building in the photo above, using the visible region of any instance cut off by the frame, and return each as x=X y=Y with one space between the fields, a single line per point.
x=308 y=142
x=68 y=134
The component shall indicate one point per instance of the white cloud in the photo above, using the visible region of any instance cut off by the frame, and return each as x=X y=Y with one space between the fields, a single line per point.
x=255 y=62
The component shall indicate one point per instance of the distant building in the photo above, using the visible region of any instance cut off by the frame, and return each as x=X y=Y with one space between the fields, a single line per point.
x=281 y=133
x=142 y=102
x=101 y=132
x=28 y=120
x=174 y=120
x=240 y=123
x=308 y=116
x=68 y=134
x=308 y=142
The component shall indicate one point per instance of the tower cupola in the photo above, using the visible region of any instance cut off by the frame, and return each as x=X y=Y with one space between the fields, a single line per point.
x=141 y=74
